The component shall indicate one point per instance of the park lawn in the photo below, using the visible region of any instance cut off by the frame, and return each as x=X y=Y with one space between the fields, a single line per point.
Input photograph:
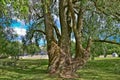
x=99 y=69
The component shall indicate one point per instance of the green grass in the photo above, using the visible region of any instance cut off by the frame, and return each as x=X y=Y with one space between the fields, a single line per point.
x=99 y=69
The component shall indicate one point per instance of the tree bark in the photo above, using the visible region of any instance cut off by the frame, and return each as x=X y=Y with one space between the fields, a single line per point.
x=60 y=60
x=48 y=30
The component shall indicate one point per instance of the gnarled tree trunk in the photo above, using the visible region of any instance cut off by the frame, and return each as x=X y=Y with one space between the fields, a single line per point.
x=60 y=60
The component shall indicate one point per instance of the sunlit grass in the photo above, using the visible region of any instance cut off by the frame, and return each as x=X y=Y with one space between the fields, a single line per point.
x=99 y=69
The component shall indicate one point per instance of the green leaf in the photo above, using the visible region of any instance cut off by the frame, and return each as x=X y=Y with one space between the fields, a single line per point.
x=3 y=1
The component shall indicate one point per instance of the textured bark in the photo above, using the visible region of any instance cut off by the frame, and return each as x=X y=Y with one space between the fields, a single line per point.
x=59 y=63
x=65 y=38
x=57 y=59
x=64 y=27
x=48 y=27
x=60 y=60
x=78 y=34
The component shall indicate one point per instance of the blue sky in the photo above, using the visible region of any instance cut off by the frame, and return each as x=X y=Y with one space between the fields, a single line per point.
x=20 y=24
x=20 y=27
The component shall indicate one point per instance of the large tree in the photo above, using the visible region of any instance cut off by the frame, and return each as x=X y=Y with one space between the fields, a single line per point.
x=72 y=15
x=86 y=20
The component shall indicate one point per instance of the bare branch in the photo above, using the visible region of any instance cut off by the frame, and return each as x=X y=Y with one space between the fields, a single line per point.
x=57 y=31
x=39 y=31
x=37 y=13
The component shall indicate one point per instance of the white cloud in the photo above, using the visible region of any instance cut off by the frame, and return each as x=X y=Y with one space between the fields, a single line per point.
x=22 y=22
x=20 y=31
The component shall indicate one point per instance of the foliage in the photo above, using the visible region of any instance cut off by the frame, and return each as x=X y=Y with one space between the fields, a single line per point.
x=14 y=49
x=4 y=40
x=99 y=18
x=33 y=33
x=12 y=8
x=113 y=48
x=7 y=44
x=32 y=49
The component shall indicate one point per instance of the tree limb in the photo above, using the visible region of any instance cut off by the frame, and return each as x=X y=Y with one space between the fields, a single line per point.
x=37 y=13
x=39 y=31
x=89 y=44
x=57 y=31
x=106 y=41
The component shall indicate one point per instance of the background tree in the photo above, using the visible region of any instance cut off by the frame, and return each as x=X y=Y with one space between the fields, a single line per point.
x=32 y=49
x=14 y=49
x=8 y=45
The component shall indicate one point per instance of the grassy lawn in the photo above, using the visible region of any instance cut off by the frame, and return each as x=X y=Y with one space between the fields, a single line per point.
x=99 y=69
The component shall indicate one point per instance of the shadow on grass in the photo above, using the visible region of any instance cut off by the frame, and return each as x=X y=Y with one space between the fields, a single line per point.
x=25 y=70
x=107 y=65
x=108 y=69
x=28 y=67
x=6 y=79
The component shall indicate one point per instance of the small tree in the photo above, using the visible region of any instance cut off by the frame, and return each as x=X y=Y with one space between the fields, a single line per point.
x=14 y=49
x=32 y=49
